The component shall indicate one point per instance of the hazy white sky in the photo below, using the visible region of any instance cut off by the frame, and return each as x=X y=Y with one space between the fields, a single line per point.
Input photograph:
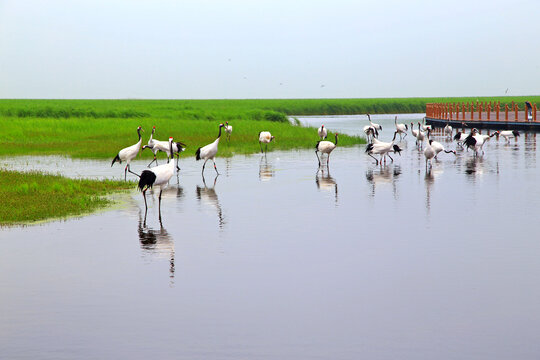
x=268 y=49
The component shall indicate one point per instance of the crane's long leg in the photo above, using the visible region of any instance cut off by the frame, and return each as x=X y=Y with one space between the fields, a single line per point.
x=145 y=205
x=390 y=157
x=151 y=162
x=129 y=169
x=327 y=159
x=261 y=147
x=376 y=161
x=266 y=149
x=125 y=173
x=202 y=172
x=217 y=172
x=318 y=159
x=177 y=161
x=159 y=203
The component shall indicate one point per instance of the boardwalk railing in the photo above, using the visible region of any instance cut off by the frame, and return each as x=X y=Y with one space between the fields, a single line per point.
x=482 y=112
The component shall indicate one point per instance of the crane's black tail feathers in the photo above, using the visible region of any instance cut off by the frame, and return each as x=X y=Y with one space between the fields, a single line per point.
x=470 y=141
x=181 y=146
x=317 y=146
x=198 y=154
x=147 y=179
x=369 y=148
x=117 y=158
x=516 y=133
x=457 y=136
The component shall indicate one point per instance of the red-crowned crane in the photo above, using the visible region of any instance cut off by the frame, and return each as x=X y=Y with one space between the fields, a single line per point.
x=376 y=126
x=382 y=149
x=325 y=147
x=507 y=134
x=209 y=152
x=265 y=137
x=323 y=133
x=228 y=130
x=401 y=129
x=438 y=147
x=156 y=176
x=128 y=154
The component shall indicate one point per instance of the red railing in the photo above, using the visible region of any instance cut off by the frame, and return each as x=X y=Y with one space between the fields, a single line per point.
x=489 y=111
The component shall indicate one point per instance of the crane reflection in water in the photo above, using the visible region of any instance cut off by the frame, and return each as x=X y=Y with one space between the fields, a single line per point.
x=208 y=197
x=326 y=182
x=157 y=243
x=266 y=170
x=386 y=174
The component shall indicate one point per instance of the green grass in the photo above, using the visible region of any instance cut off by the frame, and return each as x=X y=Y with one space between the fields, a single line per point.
x=223 y=110
x=31 y=197
x=103 y=138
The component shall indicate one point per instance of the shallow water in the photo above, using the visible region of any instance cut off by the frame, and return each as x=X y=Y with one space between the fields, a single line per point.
x=274 y=260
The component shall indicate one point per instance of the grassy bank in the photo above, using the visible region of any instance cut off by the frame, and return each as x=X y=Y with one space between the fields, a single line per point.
x=102 y=138
x=31 y=197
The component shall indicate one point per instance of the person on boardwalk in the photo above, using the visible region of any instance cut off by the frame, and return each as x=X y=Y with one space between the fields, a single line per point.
x=528 y=110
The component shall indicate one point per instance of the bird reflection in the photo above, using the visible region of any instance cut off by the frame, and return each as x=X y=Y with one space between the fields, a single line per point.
x=474 y=167
x=326 y=182
x=384 y=175
x=209 y=196
x=266 y=170
x=429 y=179
x=157 y=243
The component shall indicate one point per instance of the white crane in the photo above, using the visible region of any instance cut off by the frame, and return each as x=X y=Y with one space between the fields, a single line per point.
x=228 y=130
x=151 y=143
x=163 y=146
x=506 y=134
x=370 y=131
x=448 y=130
x=156 y=176
x=438 y=147
x=382 y=149
x=414 y=132
x=476 y=141
x=461 y=135
x=128 y=154
x=376 y=126
x=325 y=147
x=401 y=128
x=420 y=136
x=323 y=133
x=177 y=148
x=429 y=153
x=425 y=127
x=265 y=137
x=209 y=152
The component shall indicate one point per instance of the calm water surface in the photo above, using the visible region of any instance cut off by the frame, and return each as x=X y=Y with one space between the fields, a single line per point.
x=274 y=260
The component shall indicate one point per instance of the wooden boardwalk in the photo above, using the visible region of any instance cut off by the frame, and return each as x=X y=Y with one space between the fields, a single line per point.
x=484 y=115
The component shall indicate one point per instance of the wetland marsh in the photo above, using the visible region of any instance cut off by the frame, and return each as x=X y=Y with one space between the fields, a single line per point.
x=275 y=259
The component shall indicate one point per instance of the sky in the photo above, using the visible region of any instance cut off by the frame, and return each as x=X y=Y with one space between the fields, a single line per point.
x=207 y=49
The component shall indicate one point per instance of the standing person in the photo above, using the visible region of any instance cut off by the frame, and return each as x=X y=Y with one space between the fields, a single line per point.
x=528 y=110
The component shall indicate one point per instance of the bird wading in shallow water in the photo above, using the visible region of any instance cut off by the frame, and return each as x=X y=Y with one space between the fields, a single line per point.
x=401 y=129
x=156 y=176
x=507 y=134
x=265 y=137
x=325 y=147
x=128 y=154
x=382 y=149
x=209 y=152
